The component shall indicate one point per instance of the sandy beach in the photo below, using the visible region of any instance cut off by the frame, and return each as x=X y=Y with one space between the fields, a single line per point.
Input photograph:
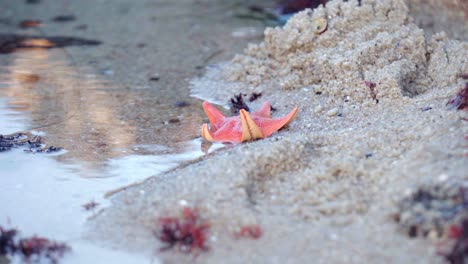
x=328 y=187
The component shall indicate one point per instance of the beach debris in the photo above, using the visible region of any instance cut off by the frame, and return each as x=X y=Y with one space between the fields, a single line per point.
x=250 y=231
x=245 y=127
x=7 y=243
x=254 y=96
x=188 y=231
x=371 y=86
x=32 y=249
x=90 y=205
x=238 y=103
x=455 y=245
x=430 y=209
x=173 y=120
x=460 y=100
x=181 y=104
x=12 y=42
x=294 y=6
x=34 y=143
x=64 y=18
x=319 y=25
x=30 y=23
x=425 y=109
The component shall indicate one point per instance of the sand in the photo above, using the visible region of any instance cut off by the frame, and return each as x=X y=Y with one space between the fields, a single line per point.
x=327 y=187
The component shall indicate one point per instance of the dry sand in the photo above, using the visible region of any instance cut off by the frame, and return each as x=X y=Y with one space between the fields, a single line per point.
x=324 y=189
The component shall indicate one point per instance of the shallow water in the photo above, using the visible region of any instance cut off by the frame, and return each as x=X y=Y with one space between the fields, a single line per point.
x=116 y=127
x=44 y=194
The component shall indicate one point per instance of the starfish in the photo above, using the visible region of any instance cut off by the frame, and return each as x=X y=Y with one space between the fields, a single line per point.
x=247 y=126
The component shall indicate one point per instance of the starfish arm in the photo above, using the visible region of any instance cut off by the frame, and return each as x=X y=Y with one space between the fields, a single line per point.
x=214 y=115
x=263 y=111
x=206 y=133
x=250 y=130
x=269 y=126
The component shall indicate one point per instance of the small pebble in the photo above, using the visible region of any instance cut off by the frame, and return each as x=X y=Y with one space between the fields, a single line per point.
x=64 y=18
x=181 y=104
x=318 y=109
x=424 y=109
x=332 y=112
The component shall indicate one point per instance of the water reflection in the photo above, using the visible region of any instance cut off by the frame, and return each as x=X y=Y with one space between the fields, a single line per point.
x=93 y=118
x=68 y=107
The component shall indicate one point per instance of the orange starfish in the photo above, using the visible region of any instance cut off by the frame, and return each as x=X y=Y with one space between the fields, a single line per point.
x=246 y=126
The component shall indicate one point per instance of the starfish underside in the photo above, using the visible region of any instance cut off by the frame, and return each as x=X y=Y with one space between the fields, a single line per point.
x=247 y=126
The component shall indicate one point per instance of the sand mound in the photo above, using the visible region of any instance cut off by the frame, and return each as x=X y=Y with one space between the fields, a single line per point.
x=374 y=42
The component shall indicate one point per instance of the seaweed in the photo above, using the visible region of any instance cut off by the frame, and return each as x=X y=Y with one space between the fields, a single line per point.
x=238 y=103
x=431 y=208
x=254 y=96
x=7 y=243
x=250 y=231
x=458 y=236
x=30 y=249
x=460 y=100
x=371 y=86
x=189 y=231
x=90 y=205
x=34 y=143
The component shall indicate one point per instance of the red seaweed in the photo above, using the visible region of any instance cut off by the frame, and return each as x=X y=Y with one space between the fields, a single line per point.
x=7 y=245
x=460 y=100
x=189 y=232
x=250 y=231
x=30 y=249
x=458 y=236
x=371 y=86
x=38 y=246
